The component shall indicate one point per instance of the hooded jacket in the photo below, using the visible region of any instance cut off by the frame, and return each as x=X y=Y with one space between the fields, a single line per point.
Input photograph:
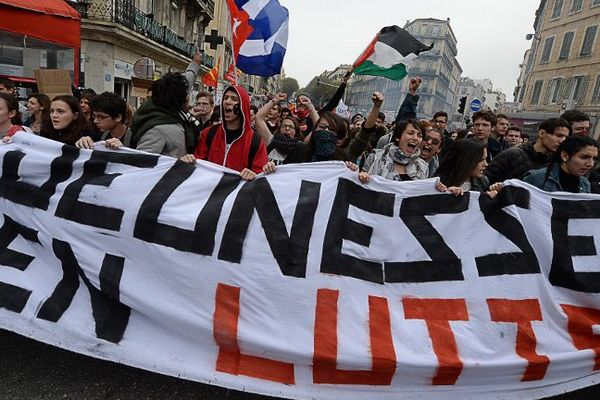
x=236 y=156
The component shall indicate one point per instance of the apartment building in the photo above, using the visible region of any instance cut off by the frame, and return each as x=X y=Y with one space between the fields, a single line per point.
x=565 y=58
x=117 y=33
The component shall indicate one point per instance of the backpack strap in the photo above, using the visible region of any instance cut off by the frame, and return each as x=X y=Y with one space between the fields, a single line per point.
x=210 y=136
x=253 y=149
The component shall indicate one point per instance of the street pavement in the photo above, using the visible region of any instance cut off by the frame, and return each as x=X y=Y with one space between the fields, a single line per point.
x=30 y=370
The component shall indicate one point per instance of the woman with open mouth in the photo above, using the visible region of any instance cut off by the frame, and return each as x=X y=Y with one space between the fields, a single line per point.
x=567 y=170
x=399 y=160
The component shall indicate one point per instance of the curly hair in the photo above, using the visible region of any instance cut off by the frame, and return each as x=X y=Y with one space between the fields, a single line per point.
x=170 y=91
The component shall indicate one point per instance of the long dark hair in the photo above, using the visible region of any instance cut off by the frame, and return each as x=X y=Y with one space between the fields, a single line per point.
x=460 y=161
x=13 y=105
x=71 y=133
x=571 y=145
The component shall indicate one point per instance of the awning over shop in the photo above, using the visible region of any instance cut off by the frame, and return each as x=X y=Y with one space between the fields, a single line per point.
x=49 y=20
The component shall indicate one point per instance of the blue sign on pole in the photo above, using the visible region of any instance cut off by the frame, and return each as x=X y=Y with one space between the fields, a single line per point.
x=475 y=105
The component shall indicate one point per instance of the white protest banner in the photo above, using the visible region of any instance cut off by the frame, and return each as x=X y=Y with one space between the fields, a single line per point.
x=301 y=284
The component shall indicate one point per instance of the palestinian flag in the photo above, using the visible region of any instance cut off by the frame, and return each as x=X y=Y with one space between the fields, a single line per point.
x=389 y=54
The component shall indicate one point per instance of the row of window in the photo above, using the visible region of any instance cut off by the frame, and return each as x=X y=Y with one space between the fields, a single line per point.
x=587 y=45
x=575 y=6
x=559 y=90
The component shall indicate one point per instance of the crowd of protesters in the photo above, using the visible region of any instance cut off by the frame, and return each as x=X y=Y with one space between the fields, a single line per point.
x=251 y=140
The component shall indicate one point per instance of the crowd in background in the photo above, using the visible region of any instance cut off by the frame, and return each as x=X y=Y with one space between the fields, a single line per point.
x=251 y=140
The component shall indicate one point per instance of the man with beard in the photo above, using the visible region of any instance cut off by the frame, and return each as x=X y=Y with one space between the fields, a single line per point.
x=430 y=148
x=580 y=122
x=233 y=143
x=497 y=140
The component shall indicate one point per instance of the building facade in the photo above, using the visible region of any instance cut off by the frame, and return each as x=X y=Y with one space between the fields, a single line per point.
x=438 y=68
x=117 y=33
x=565 y=59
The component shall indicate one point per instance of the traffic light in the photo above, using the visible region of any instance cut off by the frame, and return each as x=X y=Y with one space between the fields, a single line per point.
x=462 y=104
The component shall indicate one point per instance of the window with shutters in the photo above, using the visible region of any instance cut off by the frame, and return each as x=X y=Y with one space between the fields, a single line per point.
x=522 y=93
x=556 y=10
x=596 y=93
x=565 y=48
x=576 y=6
x=554 y=88
x=588 y=40
x=548 y=44
x=537 y=91
x=578 y=88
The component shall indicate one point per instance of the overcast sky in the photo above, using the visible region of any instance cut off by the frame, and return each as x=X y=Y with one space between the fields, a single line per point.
x=490 y=33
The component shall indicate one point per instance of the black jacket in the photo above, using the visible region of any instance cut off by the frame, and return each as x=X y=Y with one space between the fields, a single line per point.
x=515 y=162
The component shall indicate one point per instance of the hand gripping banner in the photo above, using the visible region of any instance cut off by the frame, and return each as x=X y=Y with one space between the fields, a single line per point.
x=301 y=284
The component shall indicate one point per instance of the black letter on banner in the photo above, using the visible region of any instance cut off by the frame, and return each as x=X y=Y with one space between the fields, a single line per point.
x=17 y=191
x=199 y=241
x=444 y=264
x=340 y=228
x=69 y=206
x=562 y=272
x=290 y=251
x=110 y=316
x=507 y=263
x=12 y=297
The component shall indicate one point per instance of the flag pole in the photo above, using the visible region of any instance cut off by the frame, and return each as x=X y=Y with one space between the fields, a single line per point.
x=233 y=46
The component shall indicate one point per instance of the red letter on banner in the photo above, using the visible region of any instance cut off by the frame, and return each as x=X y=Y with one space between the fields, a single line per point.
x=437 y=313
x=230 y=359
x=581 y=320
x=522 y=312
x=383 y=354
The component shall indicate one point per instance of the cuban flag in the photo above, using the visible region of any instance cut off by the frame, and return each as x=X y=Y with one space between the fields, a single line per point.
x=259 y=35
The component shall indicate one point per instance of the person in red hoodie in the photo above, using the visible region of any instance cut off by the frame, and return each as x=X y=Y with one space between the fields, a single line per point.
x=233 y=143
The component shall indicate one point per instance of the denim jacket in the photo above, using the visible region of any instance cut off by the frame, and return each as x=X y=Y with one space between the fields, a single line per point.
x=536 y=177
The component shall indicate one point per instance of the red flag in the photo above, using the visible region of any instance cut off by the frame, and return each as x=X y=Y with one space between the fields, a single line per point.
x=211 y=78
x=232 y=74
x=241 y=29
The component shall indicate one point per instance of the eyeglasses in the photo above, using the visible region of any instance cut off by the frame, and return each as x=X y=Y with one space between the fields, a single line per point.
x=286 y=127
x=434 y=141
x=439 y=121
x=323 y=127
x=101 y=116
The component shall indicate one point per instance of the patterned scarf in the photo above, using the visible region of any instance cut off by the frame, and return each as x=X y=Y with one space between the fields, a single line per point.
x=383 y=162
x=399 y=157
x=282 y=143
x=324 y=145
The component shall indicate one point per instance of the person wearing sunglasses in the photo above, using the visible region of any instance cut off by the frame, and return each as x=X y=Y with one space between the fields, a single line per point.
x=430 y=148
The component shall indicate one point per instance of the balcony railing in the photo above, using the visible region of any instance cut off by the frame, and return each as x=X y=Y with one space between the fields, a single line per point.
x=125 y=13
